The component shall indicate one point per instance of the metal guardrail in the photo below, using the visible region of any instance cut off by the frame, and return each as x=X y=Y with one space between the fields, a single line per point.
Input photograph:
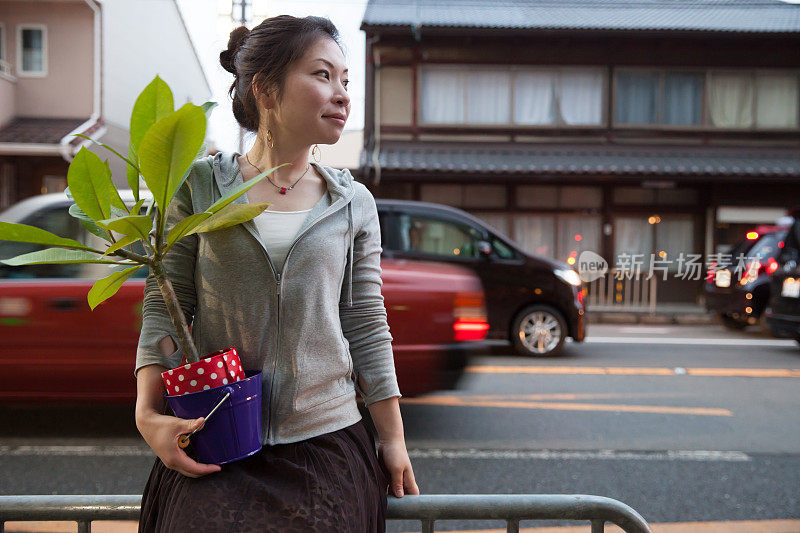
x=428 y=508
x=620 y=289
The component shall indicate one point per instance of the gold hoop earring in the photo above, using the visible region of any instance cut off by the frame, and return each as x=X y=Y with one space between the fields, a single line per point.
x=319 y=151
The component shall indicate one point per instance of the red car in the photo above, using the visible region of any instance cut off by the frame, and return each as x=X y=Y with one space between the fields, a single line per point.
x=53 y=347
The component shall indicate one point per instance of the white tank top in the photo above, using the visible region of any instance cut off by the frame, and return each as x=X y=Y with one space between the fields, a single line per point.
x=278 y=230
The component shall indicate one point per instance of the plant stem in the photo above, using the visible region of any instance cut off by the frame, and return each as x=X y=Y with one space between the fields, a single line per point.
x=175 y=312
x=132 y=256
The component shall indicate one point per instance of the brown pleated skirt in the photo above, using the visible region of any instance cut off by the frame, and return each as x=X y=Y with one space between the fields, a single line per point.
x=331 y=482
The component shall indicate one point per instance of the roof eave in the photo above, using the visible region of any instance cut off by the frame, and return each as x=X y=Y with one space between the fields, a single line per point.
x=472 y=31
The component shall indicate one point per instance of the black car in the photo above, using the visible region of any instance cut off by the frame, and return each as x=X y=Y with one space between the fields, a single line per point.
x=738 y=288
x=533 y=302
x=783 y=312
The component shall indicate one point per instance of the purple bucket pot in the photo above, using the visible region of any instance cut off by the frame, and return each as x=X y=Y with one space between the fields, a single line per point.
x=234 y=431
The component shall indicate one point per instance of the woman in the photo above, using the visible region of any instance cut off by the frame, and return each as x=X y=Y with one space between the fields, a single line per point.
x=297 y=291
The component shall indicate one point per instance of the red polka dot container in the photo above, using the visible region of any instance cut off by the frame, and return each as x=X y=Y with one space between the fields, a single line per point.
x=219 y=368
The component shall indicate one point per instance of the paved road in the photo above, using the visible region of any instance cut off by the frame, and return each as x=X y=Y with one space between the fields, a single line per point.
x=682 y=423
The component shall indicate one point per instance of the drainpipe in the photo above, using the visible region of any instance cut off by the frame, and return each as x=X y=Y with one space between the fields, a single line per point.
x=376 y=115
x=64 y=146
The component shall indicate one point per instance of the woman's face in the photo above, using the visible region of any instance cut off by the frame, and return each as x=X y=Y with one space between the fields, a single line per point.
x=313 y=90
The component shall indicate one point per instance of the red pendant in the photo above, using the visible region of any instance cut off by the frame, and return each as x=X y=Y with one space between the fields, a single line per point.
x=283 y=190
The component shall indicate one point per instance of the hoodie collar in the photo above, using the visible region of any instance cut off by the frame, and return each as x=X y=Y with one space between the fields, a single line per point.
x=228 y=176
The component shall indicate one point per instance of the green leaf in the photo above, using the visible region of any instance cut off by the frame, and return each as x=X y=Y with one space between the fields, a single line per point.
x=137 y=206
x=168 y=149
x=88 y=223
x=126 y=159
x=125 y=241
x=10 y=231
x=208 y=107
x=105 y=288
x=60 y=256
x=138 y=225
x=116 y=212
x=185 y=227
x=90 y=183
x=230 y=215
x=153 y=103
x=132 y=171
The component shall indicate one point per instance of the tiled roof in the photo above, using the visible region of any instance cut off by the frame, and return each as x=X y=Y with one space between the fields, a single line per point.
x=518 y=159
x=38 y=130
x=760 y=16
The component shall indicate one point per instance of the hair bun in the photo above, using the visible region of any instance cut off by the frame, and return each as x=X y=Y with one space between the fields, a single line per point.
x=236 y=40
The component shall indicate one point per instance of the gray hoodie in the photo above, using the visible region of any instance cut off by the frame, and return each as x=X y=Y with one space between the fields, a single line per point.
x=312 y=329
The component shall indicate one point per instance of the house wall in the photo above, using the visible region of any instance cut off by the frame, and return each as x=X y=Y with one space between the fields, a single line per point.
x=67 y=89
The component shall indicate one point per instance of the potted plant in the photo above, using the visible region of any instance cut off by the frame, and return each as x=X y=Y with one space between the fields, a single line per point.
x=164 y=142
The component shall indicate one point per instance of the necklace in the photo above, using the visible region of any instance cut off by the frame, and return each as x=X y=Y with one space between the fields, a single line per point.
x=282 y=189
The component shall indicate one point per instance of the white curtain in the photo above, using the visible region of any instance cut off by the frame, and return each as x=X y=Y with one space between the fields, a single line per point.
x=533 y=97
x=581 y=96
x=442 y=95
x=570 y=229
x=32 y=50
x=776 y=100
x=675 y=237
x=632 y=235
x=636 y=98
x=683 y=99
x=489 y=96
x=535 y=234
x=730 y=99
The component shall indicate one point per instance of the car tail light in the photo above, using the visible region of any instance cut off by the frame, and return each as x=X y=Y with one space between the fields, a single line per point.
x=772 y=266
x=752 y=271
x=469 y=311
x=582 y=295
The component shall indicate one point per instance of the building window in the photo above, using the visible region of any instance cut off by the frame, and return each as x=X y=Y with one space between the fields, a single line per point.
x=730 y=99
x=669 y=239
x=5 y=66
x=745 y=99
x=655 y=97
x=580 y=97
x=31 y=50
x=461 y=94
x=776 y=100
x=488 y=98
x=534 y=98
x=562 y=237
x=637 y=95
x=443 y=95
x=682 y=102
x=761 y=99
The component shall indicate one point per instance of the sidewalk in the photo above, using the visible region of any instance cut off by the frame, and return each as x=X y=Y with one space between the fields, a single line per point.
x=663 y=314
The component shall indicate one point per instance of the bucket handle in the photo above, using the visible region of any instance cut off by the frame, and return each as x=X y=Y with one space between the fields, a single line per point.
x=183 y=442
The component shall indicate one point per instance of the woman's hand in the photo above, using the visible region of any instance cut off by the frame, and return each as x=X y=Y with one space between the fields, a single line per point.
x=394 y=455
x=161 y=432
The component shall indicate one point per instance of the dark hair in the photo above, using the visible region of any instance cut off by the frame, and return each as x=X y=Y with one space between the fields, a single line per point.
x=266 y=52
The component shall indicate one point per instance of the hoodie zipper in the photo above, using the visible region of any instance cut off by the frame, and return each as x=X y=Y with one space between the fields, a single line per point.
x=278 y=277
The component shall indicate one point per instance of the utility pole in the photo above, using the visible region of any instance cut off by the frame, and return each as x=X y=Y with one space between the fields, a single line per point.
x=241 y=15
